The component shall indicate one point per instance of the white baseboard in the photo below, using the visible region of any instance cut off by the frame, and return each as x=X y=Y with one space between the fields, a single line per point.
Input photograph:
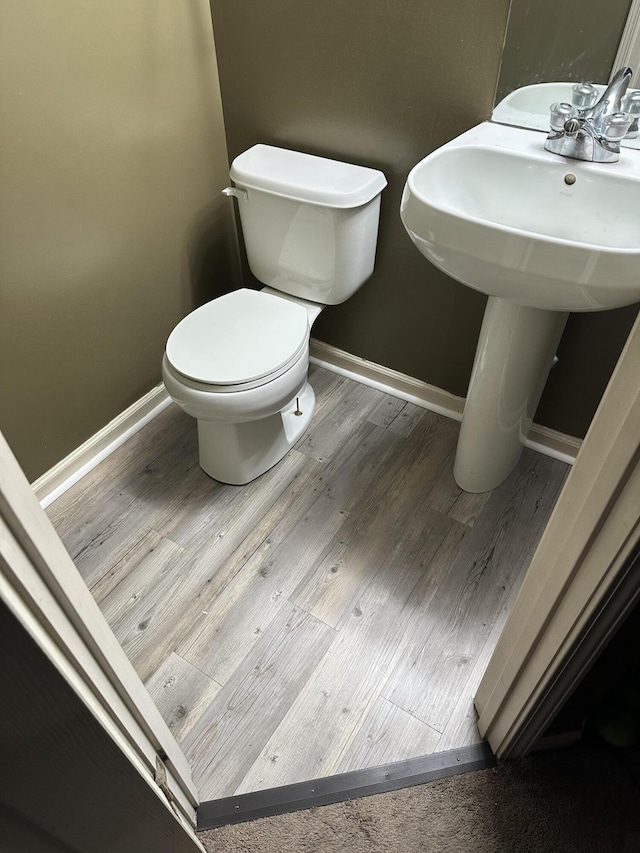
x=73 y=467
x=387 y=380
x=542 y=439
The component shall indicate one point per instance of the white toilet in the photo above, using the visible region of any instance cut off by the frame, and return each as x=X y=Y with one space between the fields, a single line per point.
x=239 y=363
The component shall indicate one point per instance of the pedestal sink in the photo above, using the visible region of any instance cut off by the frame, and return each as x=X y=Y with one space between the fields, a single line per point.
x=541 y=235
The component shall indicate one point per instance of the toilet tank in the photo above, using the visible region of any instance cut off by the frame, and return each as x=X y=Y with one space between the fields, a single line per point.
x=310 y=224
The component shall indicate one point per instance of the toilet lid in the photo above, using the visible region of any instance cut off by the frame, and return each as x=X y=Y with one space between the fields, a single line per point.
x=238 y=338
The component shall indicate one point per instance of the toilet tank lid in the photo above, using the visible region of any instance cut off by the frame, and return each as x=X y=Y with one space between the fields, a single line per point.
x=305 y=177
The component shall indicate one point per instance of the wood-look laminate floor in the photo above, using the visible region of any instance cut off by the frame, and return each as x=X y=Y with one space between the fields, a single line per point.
x=335 y=614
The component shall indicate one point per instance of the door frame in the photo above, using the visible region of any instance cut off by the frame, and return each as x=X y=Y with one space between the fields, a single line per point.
x=583 y=577
x=42 y=587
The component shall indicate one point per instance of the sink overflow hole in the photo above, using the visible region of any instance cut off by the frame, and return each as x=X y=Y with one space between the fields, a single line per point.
x=570 y=179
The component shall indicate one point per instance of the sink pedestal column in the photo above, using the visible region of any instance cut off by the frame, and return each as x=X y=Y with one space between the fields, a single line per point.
x=515 y=353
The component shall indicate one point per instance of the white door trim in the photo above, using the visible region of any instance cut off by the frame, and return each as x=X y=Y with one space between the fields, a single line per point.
x=42 y=587
x=580 y=564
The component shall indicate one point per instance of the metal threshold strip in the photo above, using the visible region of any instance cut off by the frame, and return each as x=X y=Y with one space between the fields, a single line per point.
x=345 y=786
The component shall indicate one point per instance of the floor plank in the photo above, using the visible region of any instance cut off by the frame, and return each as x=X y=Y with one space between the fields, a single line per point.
x=461 y=728
x=388 y=734
x=330 y=432
x=377 y=519
x=146 y=559
x=181 y=693
x=202 y=509
x=226 y=739
x=407 y=419
x=138 y=597
x=151 y=626
x=108 y=518
x=455 y=627
x=234 y=619
x=347 y=681
x=329 y=389
x=240 y=614
x=447 y=497
x=71 y=510
x=387 y=410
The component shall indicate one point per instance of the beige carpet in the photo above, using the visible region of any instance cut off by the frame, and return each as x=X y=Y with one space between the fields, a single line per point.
x=567 y=801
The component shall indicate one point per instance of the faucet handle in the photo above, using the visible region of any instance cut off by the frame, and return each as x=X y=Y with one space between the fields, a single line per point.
x=560 y=113
x=615 y=126
x=583 y=95
x=631 y=105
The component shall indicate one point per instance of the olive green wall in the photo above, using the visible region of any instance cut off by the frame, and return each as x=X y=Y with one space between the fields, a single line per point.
x=553 y=40
x=112 y=154
x=383 y=84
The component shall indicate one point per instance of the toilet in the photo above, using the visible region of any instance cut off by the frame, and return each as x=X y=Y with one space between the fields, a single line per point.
x=239 y=363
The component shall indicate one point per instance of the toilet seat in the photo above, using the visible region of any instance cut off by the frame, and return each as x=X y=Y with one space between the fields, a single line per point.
x=237 y=403
x=239 y=341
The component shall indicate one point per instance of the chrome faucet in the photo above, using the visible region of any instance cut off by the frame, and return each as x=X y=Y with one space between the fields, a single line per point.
x=591 y=129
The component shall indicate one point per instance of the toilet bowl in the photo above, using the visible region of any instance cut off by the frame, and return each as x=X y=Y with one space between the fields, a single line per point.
x=239 y=363
x=247 y=389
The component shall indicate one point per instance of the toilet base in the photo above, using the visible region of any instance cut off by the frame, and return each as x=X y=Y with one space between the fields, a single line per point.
x=238 y=453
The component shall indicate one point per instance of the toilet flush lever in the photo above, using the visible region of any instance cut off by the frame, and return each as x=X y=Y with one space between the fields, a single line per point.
x=241 y=195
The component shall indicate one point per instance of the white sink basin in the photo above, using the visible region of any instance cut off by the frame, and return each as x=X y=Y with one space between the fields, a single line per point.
x=542 y=236
x=493 y=209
